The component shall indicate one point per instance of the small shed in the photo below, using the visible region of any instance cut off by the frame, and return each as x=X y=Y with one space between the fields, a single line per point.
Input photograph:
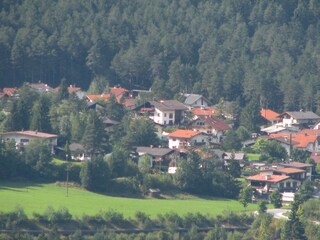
x=154 y=193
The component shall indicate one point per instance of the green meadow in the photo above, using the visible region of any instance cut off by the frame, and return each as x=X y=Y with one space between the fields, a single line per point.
x=35 y=197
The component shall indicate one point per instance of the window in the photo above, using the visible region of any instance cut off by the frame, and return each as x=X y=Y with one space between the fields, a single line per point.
x=24 y=140
x=294 y=184
x=165 y=115
x=158 y=114
x=288 y=184
x=170 y=115
x=281 y=185
x=173 y=139
x=164 y=122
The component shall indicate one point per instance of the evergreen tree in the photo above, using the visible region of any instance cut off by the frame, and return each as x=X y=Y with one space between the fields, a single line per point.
x=40 y=119
x=95 y=174
x=63 y=91
x=276 y=199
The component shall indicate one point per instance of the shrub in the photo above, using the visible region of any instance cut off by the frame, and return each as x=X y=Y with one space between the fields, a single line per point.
x=113 y=217
x=61 y=215
x=124 y=185
x=162 y=181
x=143 y=220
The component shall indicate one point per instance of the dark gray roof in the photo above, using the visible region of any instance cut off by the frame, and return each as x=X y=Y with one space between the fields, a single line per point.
x=167 y=105
x=107 y=120
x=236 y=156
x=295 y=164
x=76 y=147
x=192 y=98
x=154 y=151
x=302 y=115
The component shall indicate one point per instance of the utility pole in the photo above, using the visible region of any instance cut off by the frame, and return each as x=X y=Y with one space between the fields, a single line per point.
x=67 y=175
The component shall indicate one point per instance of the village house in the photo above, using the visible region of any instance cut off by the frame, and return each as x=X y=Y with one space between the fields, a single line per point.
x=214 y=127
x=264 y=183
x=204 y=112
x=231 y=156
x=168 y=112
x=23 y=138
x=41 y=88
x=78 y=152
x=160 y=156
x=269 y=116
x=185 y=138
x=196 y=100
x=301 y=141
x=300 y=119
x=298 y=165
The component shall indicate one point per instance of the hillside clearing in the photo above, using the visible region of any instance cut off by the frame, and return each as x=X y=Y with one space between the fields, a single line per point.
x=34 y=197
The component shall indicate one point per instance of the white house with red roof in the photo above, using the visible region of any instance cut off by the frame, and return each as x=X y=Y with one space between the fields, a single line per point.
x=23 y=138
x=182 y=138
x=214 y=127
x=265 y=183
x=269 y=115
x=301 y=140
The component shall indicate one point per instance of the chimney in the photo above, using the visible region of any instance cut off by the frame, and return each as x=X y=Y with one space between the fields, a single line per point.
x=268 y=177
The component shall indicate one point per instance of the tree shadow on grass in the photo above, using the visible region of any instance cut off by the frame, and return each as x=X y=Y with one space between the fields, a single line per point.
x=18 y=185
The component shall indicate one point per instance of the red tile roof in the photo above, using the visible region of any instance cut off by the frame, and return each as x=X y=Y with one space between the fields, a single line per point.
x=209 y=111
x=117 y=91
x=269 y=114
x=98 y=97
x=213 y=123
x=316 y=157
x=73 y=88
x=298 y=140
x=315 y=132
x=181 y=133
x=289 y=170
x=267 y=178
x=9 y=91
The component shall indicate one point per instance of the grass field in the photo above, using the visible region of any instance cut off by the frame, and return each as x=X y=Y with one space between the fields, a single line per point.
x=34 y=197
x=253 y=156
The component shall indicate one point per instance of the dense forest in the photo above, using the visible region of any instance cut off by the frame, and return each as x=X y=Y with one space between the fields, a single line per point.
x=224 y=49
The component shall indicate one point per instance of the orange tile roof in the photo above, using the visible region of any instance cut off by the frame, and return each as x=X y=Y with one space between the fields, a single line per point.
x=181 y=133
x=73 y=88
x=315 y=132
x=289 y=170
x=298 y=140
x=117 y=91
x=97 y=97
x=269 y=114
x=263 y=178
x=9 y=91
x=205 y=112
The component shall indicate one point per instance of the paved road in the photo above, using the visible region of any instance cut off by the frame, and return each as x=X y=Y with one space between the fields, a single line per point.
x=278 y=213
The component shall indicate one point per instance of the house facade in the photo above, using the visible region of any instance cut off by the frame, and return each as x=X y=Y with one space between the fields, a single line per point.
x=265 y=183
x=300 y=118
x=196 y=100
x=23 y=138
x=214 y=127
x=185 y=138
x=168 y=112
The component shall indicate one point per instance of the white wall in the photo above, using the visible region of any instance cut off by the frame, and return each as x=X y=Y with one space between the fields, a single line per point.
x=163 y=117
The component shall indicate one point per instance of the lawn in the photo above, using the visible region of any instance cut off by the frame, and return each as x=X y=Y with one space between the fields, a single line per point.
x=253 y=156
x=34 y=197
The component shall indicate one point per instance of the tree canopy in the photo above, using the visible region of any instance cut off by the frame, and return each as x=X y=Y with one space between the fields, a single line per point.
x=239 y=50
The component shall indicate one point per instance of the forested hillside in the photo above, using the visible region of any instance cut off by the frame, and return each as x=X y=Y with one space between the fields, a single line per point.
x=230 y=49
